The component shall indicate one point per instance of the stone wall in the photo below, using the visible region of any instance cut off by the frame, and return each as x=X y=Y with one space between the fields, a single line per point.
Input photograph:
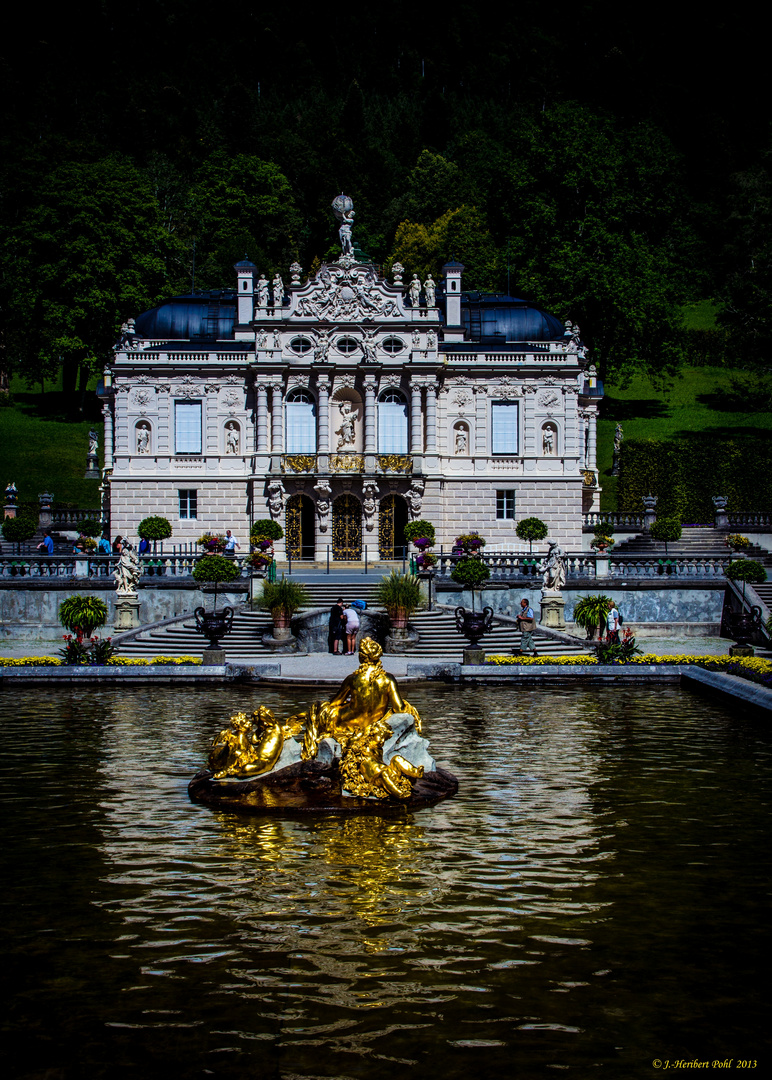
x=222 y=504
x=32 y=613
x=700 y=605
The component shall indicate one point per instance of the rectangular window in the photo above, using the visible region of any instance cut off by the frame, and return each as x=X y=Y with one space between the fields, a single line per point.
x=392 y=427
x=505 y=505
x=504 y=436
x=188 y=502
x=187 y=427
x=301 y=427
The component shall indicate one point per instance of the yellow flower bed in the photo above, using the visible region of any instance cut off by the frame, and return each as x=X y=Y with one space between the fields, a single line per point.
x=541 y=661
x=126 y=661
x=30 y=661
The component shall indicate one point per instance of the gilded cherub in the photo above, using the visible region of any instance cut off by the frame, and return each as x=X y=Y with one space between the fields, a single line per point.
x=250 y=746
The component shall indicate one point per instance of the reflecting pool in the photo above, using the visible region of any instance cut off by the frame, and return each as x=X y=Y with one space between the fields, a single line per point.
x=596 y=897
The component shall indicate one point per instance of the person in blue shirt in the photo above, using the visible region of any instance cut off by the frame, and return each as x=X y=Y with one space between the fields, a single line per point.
x=47 y=544
x=526 y=622
x=104 y=547
x=144 y=546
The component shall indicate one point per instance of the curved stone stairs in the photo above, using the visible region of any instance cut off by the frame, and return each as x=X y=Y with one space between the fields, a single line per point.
x=437 y=630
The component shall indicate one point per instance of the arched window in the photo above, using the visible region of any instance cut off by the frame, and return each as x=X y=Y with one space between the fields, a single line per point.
x=300 y=411
x=392 y=423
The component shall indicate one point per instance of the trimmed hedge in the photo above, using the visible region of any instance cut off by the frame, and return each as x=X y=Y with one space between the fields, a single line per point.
x=686 y=473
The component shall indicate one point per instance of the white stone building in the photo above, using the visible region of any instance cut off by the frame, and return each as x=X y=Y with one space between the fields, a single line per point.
x=345 y=406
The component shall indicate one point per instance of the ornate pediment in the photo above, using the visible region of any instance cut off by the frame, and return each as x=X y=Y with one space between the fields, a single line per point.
x=347 y=291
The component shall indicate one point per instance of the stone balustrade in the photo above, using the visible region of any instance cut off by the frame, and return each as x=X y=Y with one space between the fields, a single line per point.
x=96 y=567
x=516 y=566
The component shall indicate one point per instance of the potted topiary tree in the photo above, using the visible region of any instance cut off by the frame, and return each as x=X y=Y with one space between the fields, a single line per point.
x=667 y=530
x=531 y=529
x=155 y=529
x=19 y=529
x=283 y=598
x=214 y=624
x=265 y=529
x=400 y=594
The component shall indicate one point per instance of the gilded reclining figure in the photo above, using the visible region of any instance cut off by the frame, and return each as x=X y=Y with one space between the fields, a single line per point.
x=355 y=718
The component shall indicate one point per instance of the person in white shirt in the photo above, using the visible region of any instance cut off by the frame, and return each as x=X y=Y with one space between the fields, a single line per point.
x=351 y=615
x=231 y=543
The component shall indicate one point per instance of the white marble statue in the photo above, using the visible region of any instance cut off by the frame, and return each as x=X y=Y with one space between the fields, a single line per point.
x=324 y=493
x=347 y=429
x=343 y=208
x=415 y=291
x=461 y=440
x=429 y=289
x=368 y=347
x=416 y=339
x=262 y=291
x=322 y=347
x=553 y=568
x=414 y=499
x=232 y=438
x=618 y=437
x=127 y=572
x=276 y=498
x=369 y=505
x=431 y=340
x=143 y=439
x=278 y=291
x=93 y=442
x=548 y=440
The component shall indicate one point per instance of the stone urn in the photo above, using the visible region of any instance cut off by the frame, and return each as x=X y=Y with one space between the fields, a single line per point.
x=214 y=624
x=473 y=624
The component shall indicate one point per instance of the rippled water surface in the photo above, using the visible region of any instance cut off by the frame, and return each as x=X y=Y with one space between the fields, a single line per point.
x=596 y=896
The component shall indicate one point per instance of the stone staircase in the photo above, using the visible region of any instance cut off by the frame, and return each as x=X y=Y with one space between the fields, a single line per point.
x=437 y=630
x=697 y=541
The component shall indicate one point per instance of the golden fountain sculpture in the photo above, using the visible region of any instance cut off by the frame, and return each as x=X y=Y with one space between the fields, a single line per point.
x=361 y=749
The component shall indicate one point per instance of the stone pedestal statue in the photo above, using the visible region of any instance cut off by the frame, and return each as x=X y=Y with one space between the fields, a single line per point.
x=92 y=459
x=11 y=500
x=553 y=569
x=127 y=574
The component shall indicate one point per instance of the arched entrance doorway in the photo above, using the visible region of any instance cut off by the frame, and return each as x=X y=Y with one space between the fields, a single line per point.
x=299 y=527
x=346 y=529
x=392 y=520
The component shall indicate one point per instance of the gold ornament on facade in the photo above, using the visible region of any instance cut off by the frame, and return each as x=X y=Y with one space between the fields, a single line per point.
x=299 y=463
x=588 y=478
x=347 y=463
x=402 y=463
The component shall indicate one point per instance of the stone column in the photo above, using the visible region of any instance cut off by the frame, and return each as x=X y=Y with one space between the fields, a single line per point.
x=592 y=448
x=370 y=388
x=416 y=432
x=277 y=419
x=431 y=419
x=323 y=419
x=481 y=422
x=44 y=521
x=262 y=418
x=722 y=520
x=529 y=422
x=570 y=449
x=107 y=413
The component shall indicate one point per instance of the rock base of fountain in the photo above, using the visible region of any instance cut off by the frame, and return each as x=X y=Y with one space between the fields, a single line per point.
x=312 y=787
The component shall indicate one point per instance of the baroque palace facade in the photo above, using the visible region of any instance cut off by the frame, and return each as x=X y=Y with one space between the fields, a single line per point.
x=345 y=406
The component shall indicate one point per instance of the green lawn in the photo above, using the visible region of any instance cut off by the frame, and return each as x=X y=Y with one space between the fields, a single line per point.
x=707 y=400
x=44 y=447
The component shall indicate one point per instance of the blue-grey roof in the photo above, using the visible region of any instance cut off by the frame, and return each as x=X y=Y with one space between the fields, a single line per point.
x=197 y=316
x=495 y=317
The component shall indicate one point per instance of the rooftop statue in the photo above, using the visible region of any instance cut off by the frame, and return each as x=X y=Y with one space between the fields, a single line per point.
x=361 y=750
x=343 y=208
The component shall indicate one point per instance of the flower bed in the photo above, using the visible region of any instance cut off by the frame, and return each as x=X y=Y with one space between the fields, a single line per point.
x=754 y=668
x=115 y=661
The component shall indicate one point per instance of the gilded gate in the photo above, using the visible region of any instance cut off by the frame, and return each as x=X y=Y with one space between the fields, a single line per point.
x=347 y=529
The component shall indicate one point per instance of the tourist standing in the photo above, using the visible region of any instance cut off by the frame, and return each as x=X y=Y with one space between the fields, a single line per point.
x=336 y=628
x=526 y=622
x=351 y=615
x=231 y=543
x=103 y=547
x=47 y=544
x=117 y=545
x=612 y=623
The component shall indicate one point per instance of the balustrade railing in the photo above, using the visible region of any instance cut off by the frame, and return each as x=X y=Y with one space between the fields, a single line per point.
x=616 y=518
x=513 y=566
x=102 y=566
x=750 y=519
